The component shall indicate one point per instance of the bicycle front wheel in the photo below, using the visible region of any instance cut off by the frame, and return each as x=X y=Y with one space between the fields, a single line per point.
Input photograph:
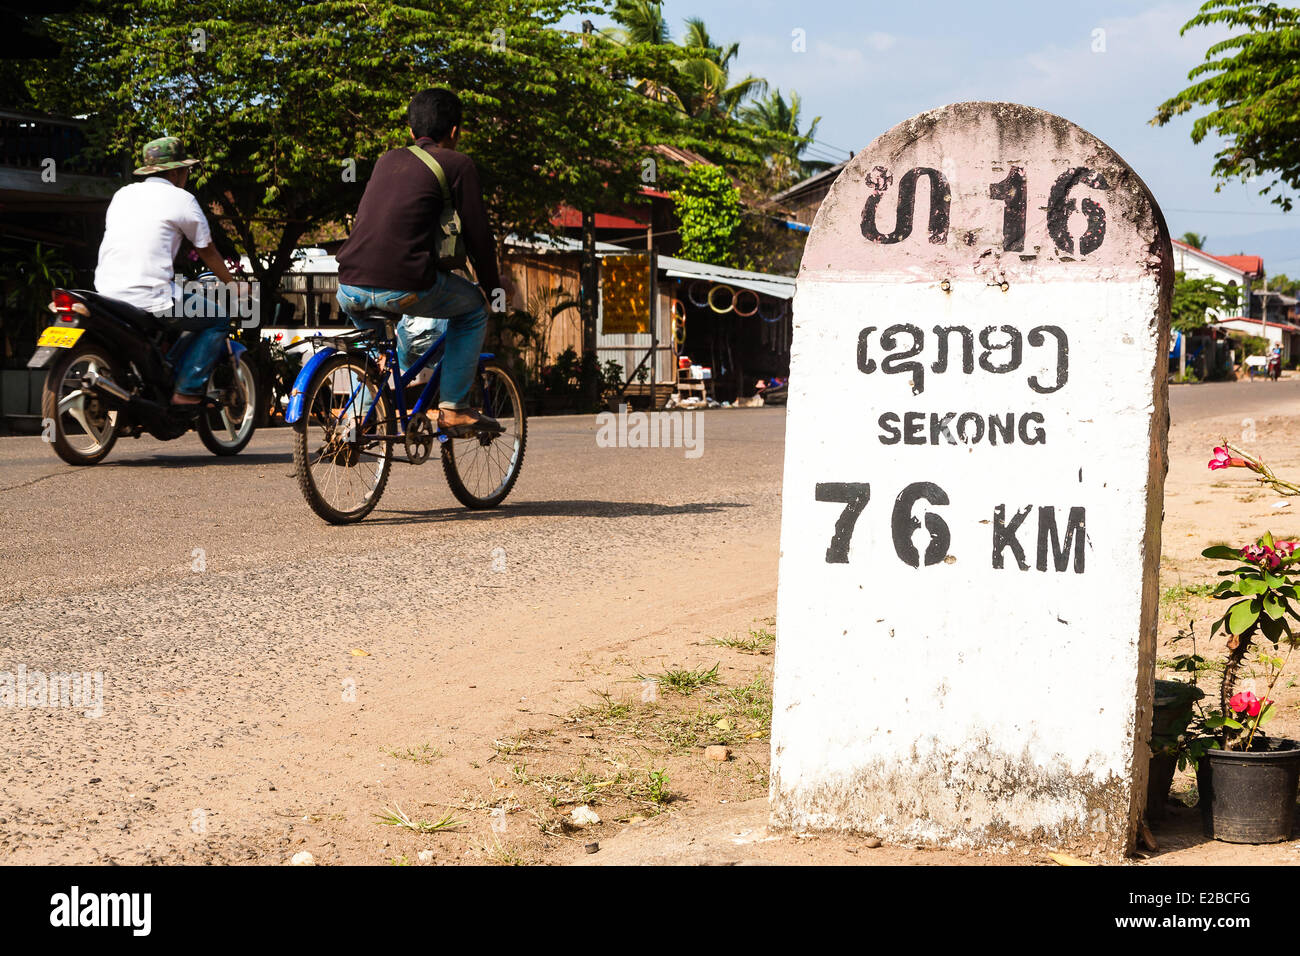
x=481 y=469
x=341 y=466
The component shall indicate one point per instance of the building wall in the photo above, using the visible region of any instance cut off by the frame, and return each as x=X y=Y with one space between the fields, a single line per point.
x=533 y=273
x=1200 y=267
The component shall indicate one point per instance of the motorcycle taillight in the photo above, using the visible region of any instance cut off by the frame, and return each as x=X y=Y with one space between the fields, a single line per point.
x=62 y=301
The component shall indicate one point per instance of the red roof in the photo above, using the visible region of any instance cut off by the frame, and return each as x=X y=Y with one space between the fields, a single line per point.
x=1251 y=265
x=567 y=217
x=1285 y=326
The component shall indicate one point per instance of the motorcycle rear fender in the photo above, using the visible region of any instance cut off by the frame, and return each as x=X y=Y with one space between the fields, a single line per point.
x=42 y=356
x=294 y=411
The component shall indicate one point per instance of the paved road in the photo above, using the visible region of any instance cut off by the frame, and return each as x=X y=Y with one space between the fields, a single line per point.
x=222 y=675
x=1190 y=403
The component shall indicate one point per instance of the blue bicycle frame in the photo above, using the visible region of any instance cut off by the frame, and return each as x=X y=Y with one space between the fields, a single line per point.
x=401 y=380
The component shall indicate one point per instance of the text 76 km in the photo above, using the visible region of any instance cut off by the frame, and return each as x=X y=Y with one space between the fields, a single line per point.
x=1051 y=541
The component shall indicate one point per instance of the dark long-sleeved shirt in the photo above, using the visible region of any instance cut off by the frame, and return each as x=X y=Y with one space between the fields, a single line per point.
x=394 y=240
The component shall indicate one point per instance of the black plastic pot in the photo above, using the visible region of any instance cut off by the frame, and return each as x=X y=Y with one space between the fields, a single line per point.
x=1249 y=796
x=1170 y=717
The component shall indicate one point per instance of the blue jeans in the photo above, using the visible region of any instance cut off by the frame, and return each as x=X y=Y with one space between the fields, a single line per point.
x=455 y=300
x=195 y=353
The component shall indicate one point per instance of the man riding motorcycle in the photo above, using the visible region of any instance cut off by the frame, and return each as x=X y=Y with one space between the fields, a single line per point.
x=142 y=234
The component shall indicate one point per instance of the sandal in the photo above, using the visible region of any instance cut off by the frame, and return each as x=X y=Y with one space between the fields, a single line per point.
x=481 y=424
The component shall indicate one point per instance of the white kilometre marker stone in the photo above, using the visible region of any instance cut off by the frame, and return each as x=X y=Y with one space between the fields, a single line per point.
x=975 y=459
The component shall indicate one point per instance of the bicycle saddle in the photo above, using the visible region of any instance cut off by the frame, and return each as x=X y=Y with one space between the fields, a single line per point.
x=378 y=319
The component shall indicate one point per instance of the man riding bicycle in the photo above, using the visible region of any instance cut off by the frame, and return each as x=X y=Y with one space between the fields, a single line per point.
x=390 y=260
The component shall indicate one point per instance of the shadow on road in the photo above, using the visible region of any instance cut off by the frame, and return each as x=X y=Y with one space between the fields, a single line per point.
x=189 y=461
x=555 y=509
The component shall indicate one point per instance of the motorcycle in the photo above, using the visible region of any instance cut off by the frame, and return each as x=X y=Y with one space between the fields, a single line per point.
x=109 y=376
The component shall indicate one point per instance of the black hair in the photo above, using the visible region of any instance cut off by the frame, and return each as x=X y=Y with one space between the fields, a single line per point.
x=433 y=113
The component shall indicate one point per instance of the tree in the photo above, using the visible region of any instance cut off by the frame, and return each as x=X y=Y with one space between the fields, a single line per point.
x=1251 y=82
x=707 y=68
x=288 y=135
x=641 y=21
x=708 y=206
x=1196 y=301
x=778 y=122
x=1284 y=284
x=1194 y=239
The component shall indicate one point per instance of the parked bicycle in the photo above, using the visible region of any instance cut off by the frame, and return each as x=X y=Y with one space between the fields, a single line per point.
x=349 y=413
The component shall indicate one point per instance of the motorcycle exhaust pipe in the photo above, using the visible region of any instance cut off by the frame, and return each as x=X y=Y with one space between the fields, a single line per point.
x=150 y=411
x=92 y=379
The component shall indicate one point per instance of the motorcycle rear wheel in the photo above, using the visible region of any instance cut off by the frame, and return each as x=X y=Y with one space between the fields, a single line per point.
x=84 y=428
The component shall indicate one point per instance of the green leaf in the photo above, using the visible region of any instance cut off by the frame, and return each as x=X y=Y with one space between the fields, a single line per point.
x=1272 y=628
x=1267 y=714
x=1231 y=724
x=1221 y=552
x=1214 y=628
x=1214 y=722
x=1273 y=580
x=1251 y=585
x=1242 y=615
x=1273 y=607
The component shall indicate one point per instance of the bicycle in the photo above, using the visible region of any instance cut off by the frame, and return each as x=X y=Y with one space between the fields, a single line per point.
x=343 y=397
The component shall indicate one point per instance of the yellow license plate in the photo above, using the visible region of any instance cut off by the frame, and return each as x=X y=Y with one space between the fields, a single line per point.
x=59 y=338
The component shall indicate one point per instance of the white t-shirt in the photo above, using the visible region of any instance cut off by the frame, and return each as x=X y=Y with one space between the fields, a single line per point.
x=142 y=231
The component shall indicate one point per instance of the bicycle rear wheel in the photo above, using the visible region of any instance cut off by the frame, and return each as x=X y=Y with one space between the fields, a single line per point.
x=483 y=468
x=342 y=473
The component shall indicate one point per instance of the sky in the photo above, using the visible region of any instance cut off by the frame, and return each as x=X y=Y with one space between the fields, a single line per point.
x=869 y=65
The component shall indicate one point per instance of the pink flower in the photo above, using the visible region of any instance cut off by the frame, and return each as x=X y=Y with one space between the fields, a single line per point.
x=1285 y=548
x=1248 y=703
x=1245 y=701
x=1222 y=459
x=1262 y=555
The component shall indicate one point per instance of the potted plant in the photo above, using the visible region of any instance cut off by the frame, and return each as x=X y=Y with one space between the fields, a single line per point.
x=1175 y=708
x=1248 y=779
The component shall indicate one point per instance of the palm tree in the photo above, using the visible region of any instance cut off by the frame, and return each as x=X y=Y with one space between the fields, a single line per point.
x=705 y=67
x=778 y=121
x=1195 y=239
x=641 y=21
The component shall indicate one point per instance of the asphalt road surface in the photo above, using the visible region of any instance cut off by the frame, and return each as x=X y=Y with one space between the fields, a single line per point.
x=1190 y=403
x=222 y=614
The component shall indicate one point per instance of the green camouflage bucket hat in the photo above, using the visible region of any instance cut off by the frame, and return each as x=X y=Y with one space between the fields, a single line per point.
x=165 y=153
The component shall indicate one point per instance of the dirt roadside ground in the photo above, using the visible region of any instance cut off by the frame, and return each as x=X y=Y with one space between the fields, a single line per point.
x=607 y=698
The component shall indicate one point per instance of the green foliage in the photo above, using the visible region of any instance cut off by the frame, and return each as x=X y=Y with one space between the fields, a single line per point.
x=1194 y=239
x=778 y=123
x=28 y=274
x=567 y=383
x=701 y=86
x=1252 y=345
x=709 y=208
x=1259 y=591
x=285 y=95
x=1251 y=83
x=1284 y=284
x=1193 y=298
